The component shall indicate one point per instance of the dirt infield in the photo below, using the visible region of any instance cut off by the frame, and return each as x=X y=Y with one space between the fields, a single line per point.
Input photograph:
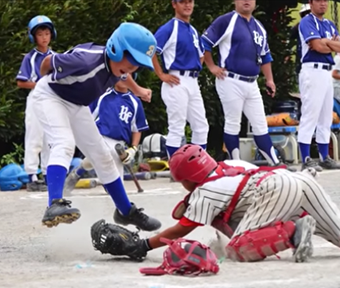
x=34 y=256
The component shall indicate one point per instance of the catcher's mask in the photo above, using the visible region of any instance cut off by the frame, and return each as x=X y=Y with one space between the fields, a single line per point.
x=185 y=257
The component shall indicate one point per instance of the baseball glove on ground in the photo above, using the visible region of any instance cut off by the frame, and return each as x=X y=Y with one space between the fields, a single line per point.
x=116 y=240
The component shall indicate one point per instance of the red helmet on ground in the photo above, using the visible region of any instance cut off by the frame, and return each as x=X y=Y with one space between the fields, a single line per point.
x=191 y=162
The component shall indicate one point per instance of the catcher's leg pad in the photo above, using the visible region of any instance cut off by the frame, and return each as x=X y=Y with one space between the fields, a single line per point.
x=259 y=244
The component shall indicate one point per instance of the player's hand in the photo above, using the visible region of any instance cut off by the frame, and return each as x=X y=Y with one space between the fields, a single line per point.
x=271 y=88
x=145 y=94
x=219 y=72
x=130 y=152
x=170 y=79
x=336 y=37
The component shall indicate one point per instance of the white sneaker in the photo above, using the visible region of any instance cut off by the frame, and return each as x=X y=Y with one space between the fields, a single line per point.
x=70 y=182
x=302 y=238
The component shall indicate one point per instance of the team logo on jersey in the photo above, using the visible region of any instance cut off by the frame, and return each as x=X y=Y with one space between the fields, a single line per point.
x=258 y=38
x=328 y=35
x=195 y=40
x=125 y=114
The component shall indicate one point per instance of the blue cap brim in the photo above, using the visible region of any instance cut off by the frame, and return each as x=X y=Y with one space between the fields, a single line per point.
x=140 y=59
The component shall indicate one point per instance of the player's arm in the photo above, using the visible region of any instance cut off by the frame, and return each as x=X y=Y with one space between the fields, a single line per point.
x=266 y=68
x=46 y=66
x=135 y=138
x=144 y=93
x=210 y=39
x=321 y=46
x=336 y=74
x=23 y=77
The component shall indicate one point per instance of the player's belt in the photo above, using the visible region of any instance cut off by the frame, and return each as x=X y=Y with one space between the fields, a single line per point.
x=249 y=79
x=193 y=74
x=327 y=67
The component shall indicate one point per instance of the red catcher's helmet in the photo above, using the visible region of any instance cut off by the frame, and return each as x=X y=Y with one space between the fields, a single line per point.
x=191 y=162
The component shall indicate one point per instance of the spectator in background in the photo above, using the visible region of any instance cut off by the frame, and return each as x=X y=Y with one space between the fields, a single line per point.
x=336 y=84
x=294 y=35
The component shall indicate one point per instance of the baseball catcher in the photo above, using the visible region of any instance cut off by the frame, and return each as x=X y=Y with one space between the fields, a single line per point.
x=263 y=210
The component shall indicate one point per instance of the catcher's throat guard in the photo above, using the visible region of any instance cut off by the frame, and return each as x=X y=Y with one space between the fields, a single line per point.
x=185 y=257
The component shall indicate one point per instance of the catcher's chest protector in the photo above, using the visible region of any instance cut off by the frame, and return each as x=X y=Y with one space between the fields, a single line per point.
x=185 y=257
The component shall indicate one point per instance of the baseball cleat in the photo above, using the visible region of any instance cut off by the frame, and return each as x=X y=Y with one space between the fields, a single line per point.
x=329 y=164
x=137 y=218
x=70 y=182
x=302 y=238
x=311 y=163
x=36 y=186
x=60 y=212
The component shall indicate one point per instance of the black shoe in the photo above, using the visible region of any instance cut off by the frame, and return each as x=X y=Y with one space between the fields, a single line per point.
x=60 y=212
x=36 y=186
x=329 y=163
x=291 y=169
x=311 y=163
x=138 y=218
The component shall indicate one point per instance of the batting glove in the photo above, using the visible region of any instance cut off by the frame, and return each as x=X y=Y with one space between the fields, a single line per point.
x=131 y=152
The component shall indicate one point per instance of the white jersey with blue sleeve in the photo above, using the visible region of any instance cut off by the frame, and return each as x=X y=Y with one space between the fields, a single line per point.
x=118 y=115
x=313 y=28
x=243 y=45
x=180 y=46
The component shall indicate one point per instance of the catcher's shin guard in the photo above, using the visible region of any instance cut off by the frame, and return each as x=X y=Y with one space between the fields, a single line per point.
x=257 y=245
x=60 y=212
x=137 y=218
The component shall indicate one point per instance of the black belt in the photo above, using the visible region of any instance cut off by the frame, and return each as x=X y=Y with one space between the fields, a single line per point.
x=327 y=67
x=193 y=74
x=249 y=79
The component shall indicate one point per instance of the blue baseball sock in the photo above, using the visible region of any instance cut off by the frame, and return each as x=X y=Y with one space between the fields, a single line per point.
x=265 y=145
x=118 y=195
x=323 y=151
x=171 y=150
x=56 y=176
x=305 y=151
x=80 y=171
x=232 y=143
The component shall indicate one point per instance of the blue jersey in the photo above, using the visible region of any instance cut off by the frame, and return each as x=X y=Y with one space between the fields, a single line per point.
x=117 y=115
x=81 y=74
x=30 y=65
x=180 y=46
x=242 y=45
x=313 y=28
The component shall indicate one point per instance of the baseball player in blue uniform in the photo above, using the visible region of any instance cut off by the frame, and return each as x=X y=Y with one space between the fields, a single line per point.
x=40 y=31
x=71 y=81
x=243 y=53
x=182 y=52
x=318 y=37
x=120 y=118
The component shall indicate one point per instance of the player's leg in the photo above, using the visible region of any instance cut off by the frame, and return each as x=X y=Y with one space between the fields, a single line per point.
x=312 y=95
x=33 y=147
x=265 y=230
x=44 y=156
x=231 y=93
x=93 y=146
x=54 y=113
x=196 y=115
x=175 y=99
x=317 y=203
x=323 y=128
x=254 y=111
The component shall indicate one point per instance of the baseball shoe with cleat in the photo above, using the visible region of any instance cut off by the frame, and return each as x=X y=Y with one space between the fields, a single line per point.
x=70 y=182
x=329 y=164
x=311 y=163
x=137 y=218
x=60 y=212
x=302 y=238
x=36 y=186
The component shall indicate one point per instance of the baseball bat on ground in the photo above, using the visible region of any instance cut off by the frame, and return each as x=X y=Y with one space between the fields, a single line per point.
x=139 y=176
x=122 y=154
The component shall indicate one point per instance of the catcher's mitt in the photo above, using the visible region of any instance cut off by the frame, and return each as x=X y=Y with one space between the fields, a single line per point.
x=185 y=257
x=116 y=240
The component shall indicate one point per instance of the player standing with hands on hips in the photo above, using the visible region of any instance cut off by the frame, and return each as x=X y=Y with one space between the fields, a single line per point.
x=182 y=52
x=243 y=53
x=72 y=81
x=317 y=36
x=40 y=31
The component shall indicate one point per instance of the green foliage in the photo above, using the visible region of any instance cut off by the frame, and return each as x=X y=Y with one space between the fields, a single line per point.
x=80 y=21
x=17 y=156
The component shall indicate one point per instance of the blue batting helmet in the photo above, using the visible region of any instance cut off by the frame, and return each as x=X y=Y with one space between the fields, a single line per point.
x=12 y=177
x=135 y=39
x=37 y=22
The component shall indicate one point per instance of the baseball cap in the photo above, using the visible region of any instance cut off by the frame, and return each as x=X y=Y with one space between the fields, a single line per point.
x=304 y=8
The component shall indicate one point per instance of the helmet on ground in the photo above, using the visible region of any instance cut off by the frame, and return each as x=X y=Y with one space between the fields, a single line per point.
x=37 y=22
x=191 y=162
x=12 y=177
x=135 y=39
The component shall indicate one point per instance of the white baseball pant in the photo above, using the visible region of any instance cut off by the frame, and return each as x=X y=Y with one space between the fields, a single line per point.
x=67 y=125
x=316 y=90
x=36 y=148
x=184 y=103
x=236 y=97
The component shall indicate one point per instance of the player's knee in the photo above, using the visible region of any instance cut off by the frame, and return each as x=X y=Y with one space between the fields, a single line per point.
x=260 y=130
x=257 y=245
x=231 y=128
